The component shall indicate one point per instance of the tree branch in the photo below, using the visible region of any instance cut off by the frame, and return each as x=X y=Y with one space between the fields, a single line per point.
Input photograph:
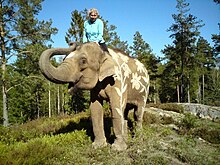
x=37 y=77
x=18 y=54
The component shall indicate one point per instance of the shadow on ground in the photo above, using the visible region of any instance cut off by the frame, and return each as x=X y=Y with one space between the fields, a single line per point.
x=86 y=124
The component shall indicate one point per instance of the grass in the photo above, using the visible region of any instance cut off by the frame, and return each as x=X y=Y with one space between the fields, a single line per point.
x=67 y=140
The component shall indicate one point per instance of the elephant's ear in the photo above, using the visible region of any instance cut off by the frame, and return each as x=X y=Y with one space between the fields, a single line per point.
x=107 y=68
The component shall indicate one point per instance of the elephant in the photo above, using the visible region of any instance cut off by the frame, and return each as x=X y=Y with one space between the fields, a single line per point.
x=113 y=76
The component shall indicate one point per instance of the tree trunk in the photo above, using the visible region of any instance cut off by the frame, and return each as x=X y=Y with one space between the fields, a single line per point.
x=188 y=93
x=38 y=108
x=3 y=67
x=178 y=90
x=5 y=108
x=177 y=87
x=155 y=97
x=58 y=100
x=49 y=106
x=63 y=101
x=178 y=93
x=188 y=88
x=199 y=93
x=4 y=92
x=203 y=88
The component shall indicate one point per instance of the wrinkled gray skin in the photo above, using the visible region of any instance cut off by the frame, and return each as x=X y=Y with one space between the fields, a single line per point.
x=115 y=78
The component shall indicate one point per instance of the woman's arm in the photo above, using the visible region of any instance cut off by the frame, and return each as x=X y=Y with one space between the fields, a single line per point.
x=100 y=31
x=84 y=33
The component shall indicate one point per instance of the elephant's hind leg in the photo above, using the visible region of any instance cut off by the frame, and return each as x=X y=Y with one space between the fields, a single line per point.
x=138 y=114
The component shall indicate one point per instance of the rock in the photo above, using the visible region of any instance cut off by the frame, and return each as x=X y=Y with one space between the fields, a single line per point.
x=160 y=113
x=202 y=111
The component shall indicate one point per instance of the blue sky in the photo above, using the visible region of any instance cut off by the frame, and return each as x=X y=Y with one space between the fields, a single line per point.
x=151 y=18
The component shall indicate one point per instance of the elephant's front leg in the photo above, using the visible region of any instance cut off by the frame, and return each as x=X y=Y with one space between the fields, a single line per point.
x=119 y=124
x=98 y=124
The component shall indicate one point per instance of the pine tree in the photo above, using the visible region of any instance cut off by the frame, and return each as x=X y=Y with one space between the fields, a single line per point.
x=217 y=1
x=216 y=72
x=185 y=32
x=204 y=61
x=216 y=48
x=75 y=32
x=170 y=77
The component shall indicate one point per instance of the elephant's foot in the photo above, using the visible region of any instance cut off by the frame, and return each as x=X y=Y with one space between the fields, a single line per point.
x=99 y=143
x=138 y=125
x=119 y=144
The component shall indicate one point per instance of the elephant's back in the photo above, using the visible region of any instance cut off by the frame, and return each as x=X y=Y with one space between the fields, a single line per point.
x=128 y=64
x=131 y=72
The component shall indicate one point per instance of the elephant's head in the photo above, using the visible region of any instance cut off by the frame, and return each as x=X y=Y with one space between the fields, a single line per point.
x=87 y=65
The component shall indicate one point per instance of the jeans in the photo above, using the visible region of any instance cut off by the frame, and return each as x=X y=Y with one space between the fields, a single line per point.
x=103 y=47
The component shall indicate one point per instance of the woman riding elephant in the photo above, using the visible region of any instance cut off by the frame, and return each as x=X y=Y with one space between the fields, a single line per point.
x=94 y=29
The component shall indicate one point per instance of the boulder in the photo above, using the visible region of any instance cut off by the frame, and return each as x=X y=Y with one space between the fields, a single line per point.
x=202 y=111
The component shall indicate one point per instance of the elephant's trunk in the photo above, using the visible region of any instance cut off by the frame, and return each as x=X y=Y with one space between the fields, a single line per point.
x=61 y=74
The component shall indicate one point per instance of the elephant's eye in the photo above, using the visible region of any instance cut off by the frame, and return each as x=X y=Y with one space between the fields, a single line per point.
x=83 y=63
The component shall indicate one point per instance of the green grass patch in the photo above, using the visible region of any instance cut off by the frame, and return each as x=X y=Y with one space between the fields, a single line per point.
x=43 y=126
x=203 y=128
x=68 y=140
x=45 y=150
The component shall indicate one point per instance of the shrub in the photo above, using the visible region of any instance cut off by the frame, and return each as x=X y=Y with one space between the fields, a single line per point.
x=187 y=123
x=167 y=120
x=210 y=135
x=207 y=130
x=45 y=150
x=150 y=118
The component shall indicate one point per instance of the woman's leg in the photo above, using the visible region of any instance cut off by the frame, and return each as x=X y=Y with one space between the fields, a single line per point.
x=104 y=47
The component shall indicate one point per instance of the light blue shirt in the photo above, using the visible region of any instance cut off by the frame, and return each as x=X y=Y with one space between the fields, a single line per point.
x=93 y=32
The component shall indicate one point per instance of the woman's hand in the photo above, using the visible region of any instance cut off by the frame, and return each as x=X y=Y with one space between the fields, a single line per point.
x=96 y=42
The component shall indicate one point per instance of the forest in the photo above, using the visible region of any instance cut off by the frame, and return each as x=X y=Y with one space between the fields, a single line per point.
x=187 y=73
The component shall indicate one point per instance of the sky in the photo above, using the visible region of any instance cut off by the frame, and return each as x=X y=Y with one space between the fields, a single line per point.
x=151 y=18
